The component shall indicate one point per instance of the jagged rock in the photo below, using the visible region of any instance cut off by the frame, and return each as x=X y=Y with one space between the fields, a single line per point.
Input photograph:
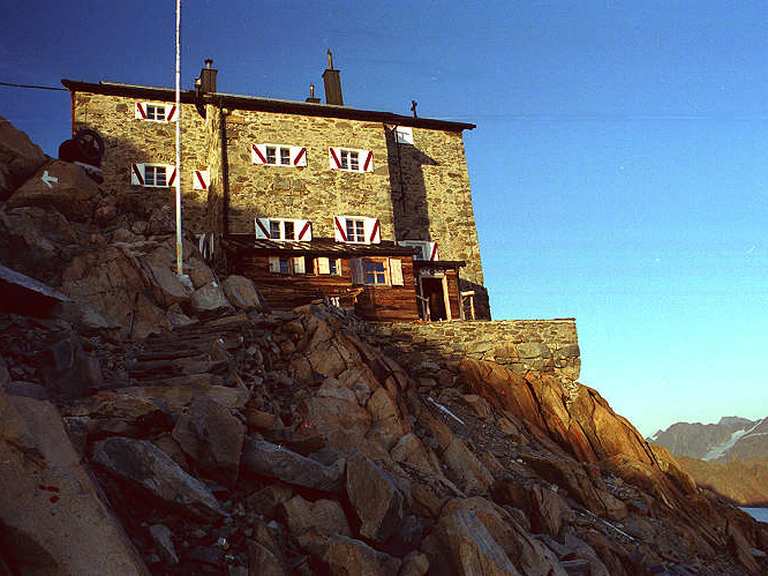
x=546 y=509
x=414 y=564
x=19 y=158
x=173 y=400
x=167 y=288
x=144 y=464
x=37 y=242
x=268 y=500
x=741 y=549
x=461 y=544
x=348 y=557
x=241 y=292
x=213 y=437
x=387 y=425
x=209 y=298
x=324 y=516
x=51 y=514
x=67 y=370
x=161 y=534
x=74 y=194
x=263 y=562
x=162 y=221
x=375 y=497
x=266 y=459
x=110 y=280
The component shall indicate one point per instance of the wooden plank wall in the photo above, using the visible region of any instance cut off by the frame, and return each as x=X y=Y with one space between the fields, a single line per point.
x=283 y=291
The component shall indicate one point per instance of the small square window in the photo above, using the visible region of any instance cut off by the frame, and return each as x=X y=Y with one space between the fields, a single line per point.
x=374 y=272
x=355 y=230
x=350 y=160
x=271 y=155
x=155 y=112
x=155 y=176
x=274 y=230
x=285 y=156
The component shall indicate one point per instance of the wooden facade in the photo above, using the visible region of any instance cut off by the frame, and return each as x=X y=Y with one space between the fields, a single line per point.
x=289 y=275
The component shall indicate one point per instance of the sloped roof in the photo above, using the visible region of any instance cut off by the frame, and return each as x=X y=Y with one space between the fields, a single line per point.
x=243 y=102
x=319 y=246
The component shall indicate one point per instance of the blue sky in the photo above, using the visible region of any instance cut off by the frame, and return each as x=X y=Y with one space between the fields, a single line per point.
x=619 y=167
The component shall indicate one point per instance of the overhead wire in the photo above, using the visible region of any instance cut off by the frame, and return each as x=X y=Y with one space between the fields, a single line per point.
x=32 y=86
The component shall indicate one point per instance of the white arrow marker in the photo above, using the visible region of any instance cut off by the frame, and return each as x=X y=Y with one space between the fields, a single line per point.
x=49 y=180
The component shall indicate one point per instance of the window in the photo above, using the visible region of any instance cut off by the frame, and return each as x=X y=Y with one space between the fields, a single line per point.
x=275 y=230
x=289 y=230
x=156 y=112
x=278 y=155
x=326 y=265
x=285 y=266
x=404 y=135
x=279 y=265
x=350 y=160
x=355 y=230
x=375 y=272
x=155 y=176
x=283 y=229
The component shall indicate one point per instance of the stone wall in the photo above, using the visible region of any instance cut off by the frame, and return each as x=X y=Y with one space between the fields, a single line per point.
x=521 y=345
x=129 y=141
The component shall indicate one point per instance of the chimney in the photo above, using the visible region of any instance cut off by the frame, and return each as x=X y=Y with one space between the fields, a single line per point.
x=208 y=77
x=332 y=81
x=312 y=99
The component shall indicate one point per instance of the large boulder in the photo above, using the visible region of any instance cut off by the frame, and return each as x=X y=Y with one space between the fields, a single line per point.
x=111 y=281
x=375 y=497
x=19 y=158
x=52 y=518
x=213 y=437
x=144 y=465
x=60 y=185
x=263 y=458
x=325 y=516
x=348 y=557
x=209 y=298
x=242 y=293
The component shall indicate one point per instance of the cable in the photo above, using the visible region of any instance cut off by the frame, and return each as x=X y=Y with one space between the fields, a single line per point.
x=34 y=86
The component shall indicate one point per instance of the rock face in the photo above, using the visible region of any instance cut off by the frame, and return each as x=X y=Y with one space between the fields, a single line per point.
x=143 y=464
x=19 y=158
x=241 y=293
x=375 y=498
x=60 y=185
x=52 y=516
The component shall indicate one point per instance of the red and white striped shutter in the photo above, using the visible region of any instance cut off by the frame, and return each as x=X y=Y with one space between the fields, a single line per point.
x=334 y=158
x=372 y=228
x=298 y=156
x=201 y=179
x=261 y=226
x=171 y=113
x=259 y=153
x=432 y=248
x=170 y=171
x=137 y=174
x=303 y=230
x=366 y=160
x=140 y=111
x=340 y=228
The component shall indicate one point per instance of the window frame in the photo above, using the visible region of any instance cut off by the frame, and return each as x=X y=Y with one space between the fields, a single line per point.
x=278 y=150
x=358 y=232
x=281 y=222
x=152 y=112
x=383 y=274
x=155 y=168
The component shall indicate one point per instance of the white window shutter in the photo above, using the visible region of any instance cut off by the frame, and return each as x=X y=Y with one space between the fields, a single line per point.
x=298 y=156
x=201 y=179
x=140 y=111
x=334 y=158
x=340 y=228
x=323 y=265
x=404 y=135
x=171 y=113
x=396 y=272
x=366 y=161
x=298 y=265
x=170 y=175
x=261 y=226
x=303 y=230
x=432 y=248
x=372 y=231
x=274 y=264
x=137 y=174
x=259 y=153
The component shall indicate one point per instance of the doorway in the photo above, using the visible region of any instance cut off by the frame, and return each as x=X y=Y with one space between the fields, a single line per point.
x=432 y=289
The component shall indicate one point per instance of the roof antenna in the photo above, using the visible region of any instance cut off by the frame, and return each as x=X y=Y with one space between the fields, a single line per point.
x=413 y=108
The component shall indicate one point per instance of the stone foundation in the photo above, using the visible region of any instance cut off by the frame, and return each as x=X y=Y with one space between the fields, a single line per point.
x=549 y=346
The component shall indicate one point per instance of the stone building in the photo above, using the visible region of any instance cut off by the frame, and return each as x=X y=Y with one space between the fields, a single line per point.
x=369 y=208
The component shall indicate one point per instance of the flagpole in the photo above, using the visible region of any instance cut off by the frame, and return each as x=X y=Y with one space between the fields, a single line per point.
x=179 y=244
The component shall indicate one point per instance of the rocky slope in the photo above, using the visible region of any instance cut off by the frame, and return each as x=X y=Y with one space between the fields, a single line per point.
x=732 y=438
x=160 y=428
x=744 y=482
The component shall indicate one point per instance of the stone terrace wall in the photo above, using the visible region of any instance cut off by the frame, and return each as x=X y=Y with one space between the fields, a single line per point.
x=520 y=345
